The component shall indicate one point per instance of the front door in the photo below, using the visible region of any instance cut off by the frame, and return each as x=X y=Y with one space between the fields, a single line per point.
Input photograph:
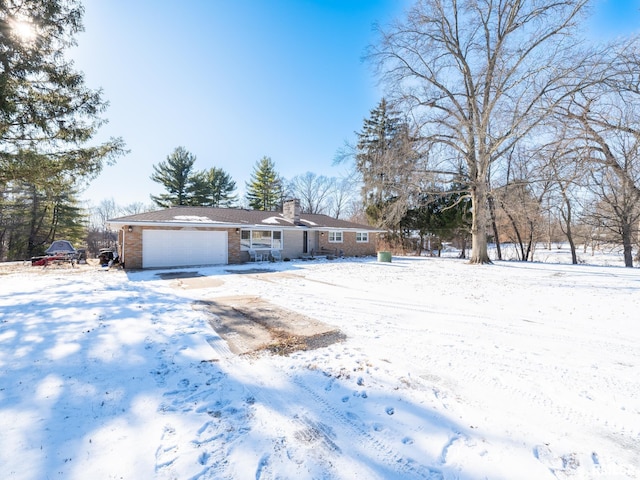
x=305 y=242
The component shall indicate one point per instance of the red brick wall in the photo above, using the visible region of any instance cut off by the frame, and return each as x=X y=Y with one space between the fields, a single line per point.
x=234 y=246
x=349 y=246
x=132 y=252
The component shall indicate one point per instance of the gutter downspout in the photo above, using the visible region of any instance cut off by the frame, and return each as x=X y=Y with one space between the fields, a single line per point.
x=123 y=257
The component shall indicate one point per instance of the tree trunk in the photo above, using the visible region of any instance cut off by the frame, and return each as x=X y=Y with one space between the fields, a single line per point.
x=479 y=202
x=35 y=222
x=627 y=245
x=572 y=245
x=530 y=249
x=463 y=251
x=568 y=218
x=514 y=225
x=569 y=234
x=494 y=226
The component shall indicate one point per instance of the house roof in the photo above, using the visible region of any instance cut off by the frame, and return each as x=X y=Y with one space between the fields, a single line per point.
x=235 y=218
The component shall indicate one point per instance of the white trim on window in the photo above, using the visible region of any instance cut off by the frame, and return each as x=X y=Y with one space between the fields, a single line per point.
x=335 y=237
x=261 y=239
x=362 y=237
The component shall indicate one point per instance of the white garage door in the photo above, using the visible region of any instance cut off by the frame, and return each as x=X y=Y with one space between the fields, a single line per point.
x=180 y=248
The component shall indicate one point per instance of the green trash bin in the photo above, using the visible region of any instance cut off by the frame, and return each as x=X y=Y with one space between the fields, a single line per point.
x=384 y=256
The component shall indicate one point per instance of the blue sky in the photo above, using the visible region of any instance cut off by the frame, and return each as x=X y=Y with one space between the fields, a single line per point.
x=235 y=80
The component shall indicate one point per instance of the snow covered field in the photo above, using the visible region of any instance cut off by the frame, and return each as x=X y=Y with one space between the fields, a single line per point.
x=449 y=371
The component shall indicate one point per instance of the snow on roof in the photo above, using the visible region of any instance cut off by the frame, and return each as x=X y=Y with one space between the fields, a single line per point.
x=273 y=220
x=192 y=218
x=234 y=216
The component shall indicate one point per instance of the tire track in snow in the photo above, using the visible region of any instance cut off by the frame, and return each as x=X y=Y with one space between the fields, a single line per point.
x=532 y=390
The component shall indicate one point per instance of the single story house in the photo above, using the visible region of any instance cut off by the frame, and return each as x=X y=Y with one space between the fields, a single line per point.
x=187 y=236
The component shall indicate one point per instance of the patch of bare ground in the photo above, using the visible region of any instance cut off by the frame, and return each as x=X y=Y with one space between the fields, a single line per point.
x=250 y=324
x=191 y=280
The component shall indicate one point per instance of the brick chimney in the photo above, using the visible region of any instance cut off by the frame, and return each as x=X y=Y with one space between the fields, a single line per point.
x=291 y=210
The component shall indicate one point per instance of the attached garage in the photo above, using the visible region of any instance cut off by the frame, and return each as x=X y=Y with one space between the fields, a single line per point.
x=183 y=236
x=170 y=248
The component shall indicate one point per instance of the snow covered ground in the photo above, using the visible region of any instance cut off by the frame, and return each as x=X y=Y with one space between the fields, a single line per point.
x=449 y=371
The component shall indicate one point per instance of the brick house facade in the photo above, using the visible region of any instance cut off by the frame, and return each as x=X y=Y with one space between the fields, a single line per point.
x=225 y=235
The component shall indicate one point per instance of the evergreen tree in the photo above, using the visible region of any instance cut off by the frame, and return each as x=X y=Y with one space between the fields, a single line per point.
x=37 y=211
x=45 y=106
x=445 y=214
x=47 y=118
x=175 y=175
x=265 y=190
x=452 y=217
x=213 y=188
x=385 y=160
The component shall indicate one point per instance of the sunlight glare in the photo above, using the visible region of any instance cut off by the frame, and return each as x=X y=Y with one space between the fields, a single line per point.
x=24 y=29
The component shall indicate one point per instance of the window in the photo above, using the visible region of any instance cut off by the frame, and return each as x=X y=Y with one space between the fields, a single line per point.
x=276 y=239
x=245 y=239
x=335 y=237
x=260 y=239
x=362 y=237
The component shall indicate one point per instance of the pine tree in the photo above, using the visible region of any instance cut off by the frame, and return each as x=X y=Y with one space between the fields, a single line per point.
x=385 y=161
x=45 y=106
x=48 y=116
x=213 y=188
x=175 y=175
x=37 y=211
x=265 y=190
x=445 y=214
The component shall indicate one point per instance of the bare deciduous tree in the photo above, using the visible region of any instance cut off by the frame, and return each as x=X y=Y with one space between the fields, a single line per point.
x=135 y=208
x=478 y=76
x=567 y=171
x=603 y=121
x=618 y=210
x=312 y=190
x=106 y=210
x=343 y=202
